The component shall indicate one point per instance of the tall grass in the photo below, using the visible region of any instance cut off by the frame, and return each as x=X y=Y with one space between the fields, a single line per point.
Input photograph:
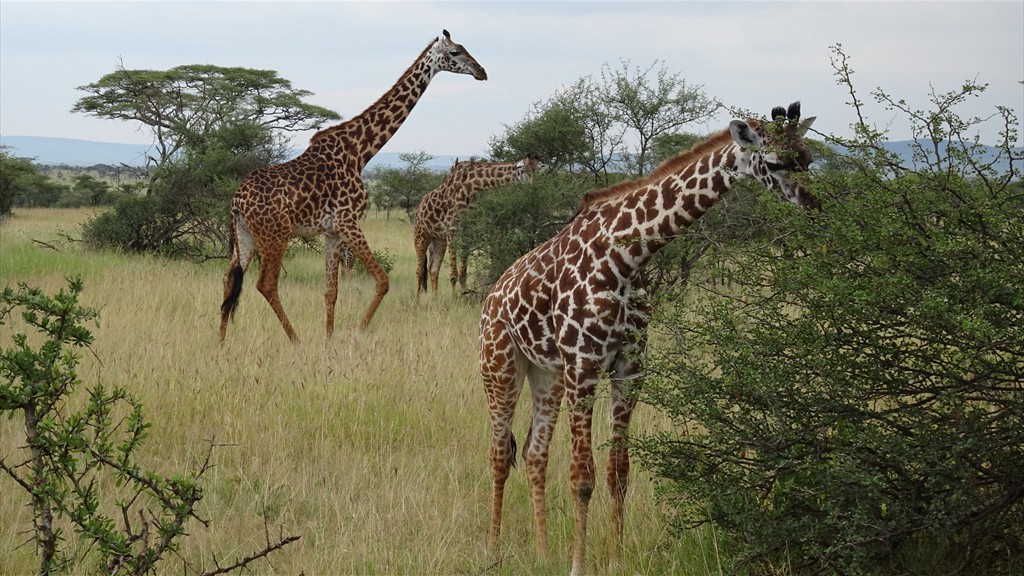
x=372 y=448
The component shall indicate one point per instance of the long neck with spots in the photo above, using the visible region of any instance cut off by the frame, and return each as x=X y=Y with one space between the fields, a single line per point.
x=469 y=178
x=364 y=135
x=640 y=217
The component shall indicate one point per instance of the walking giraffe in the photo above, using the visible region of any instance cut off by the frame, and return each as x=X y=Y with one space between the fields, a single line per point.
x=321 y=192
x=437 y=217
x=572 y=310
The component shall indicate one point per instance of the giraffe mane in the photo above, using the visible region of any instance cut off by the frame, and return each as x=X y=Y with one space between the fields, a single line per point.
x=673 y=164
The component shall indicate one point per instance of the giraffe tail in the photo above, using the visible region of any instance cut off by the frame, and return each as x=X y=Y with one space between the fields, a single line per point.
x=422 y=265
x=513 y=448
x=234 y=290
x=233 y=280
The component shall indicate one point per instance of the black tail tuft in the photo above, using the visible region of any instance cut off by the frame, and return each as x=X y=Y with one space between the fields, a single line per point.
x=231 y=302
x=426 y=271
x=514 y=448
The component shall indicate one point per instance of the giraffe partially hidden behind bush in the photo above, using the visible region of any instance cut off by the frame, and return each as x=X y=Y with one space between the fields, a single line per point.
x=321 y=192
x=437 y=217
x=573 y=309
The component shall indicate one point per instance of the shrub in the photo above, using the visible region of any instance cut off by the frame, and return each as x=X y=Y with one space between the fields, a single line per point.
x=851 y=400
x=508 y=223
x=80 y=458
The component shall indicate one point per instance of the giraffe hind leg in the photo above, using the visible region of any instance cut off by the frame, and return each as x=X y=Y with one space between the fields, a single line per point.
x=361 y=249
x=270 y=269
x=503 y=384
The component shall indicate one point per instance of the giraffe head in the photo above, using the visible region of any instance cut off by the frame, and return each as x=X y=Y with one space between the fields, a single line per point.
x=526 y=168
x=774 y=152
x=453 y=57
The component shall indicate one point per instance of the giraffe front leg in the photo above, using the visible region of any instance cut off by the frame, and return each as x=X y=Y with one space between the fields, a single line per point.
x=625 y=389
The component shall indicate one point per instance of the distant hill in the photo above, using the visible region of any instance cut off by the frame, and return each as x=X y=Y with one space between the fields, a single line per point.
x=71 y=152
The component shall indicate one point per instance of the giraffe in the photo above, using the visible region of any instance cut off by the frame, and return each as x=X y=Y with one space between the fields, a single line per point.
x=573 y=309
x=321 y=192
x=437 y=216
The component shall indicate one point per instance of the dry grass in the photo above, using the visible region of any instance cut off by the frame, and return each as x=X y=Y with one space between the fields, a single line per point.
x=372 y=448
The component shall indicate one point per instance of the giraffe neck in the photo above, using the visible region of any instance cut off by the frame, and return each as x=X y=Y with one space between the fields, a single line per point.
x=466 y=182
x=642 y=216
x=362 y=136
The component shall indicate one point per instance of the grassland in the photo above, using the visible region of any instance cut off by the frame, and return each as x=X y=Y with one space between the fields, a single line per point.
x=372 y=447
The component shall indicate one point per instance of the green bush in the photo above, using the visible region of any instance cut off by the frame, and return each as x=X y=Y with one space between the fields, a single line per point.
x=81 y=450
x=135 y=224
x=851 y=401
x=384 y=258
x=507 y=223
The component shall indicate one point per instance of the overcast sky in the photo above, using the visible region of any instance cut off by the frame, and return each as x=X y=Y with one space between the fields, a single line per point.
x=750 y=55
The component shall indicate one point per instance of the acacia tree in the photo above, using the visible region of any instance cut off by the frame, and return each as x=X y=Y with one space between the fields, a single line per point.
x=184 y=104
x=648 y=104
x=211 y=126
x=608 y=125
x=403 y=187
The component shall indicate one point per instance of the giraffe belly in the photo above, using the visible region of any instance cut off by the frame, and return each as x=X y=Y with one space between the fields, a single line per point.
x=325 y=224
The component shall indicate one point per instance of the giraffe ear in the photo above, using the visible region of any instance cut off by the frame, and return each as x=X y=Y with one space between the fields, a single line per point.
x=446 y=35
x=804 y=125
x=793 y=112
x=743 y=134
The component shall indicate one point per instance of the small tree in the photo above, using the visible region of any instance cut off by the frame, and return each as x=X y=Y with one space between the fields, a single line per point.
x=23 y=185
x=80 y=460
x=648 y=104
x=87 y=191
x=211 y=126
x=403 y=187
x=849 y=399
x=181 y=105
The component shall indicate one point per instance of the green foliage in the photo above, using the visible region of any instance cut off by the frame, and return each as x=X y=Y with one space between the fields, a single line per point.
x=87 y=191
x=607 y=125
x=403 y=188
x=81 y=473
x=134 y=225
x=384 y=258
x=185 y=212
x=505 y=225
x=555 y=132
x=185 y=103
x=850 y=399
x=23 y=185
x=211 y=126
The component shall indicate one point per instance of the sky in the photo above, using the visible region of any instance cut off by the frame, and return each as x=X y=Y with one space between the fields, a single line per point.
x=748 y=55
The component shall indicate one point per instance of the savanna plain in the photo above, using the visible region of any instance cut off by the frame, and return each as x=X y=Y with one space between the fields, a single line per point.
x=371 y=447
